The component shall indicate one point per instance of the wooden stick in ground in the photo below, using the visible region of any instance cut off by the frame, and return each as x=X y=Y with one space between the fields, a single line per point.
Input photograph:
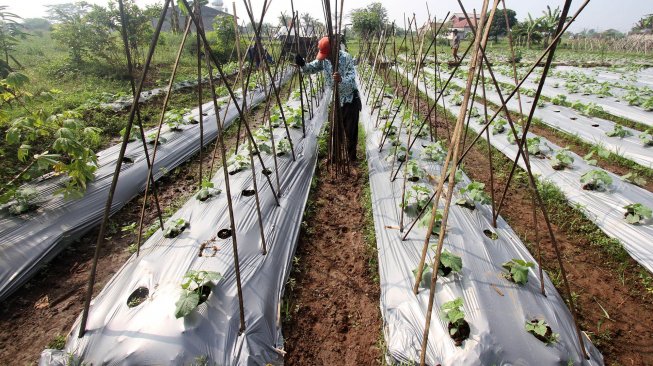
x=452 y=180
x=251 y=156
x=116 y=173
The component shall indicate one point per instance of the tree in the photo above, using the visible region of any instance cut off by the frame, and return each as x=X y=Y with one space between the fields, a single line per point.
x=645 y=24
x=223 y=37
x=498 y=26
x=36 y=24
x=10 y=31
x=548 y=22
x=369 y=20
x=530 y=25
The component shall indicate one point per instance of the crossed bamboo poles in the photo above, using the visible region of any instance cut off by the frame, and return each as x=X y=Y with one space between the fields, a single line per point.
x=210 y=60
x=478 y=61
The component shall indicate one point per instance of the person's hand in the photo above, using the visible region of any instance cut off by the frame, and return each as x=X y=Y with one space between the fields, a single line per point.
x=299 y=60
x=336 y=77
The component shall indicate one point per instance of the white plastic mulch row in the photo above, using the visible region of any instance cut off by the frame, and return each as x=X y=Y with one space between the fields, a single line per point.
x=590 y=129
x=34 y=238
x=149 y=333
x=605 y=209
x=613 y=105
x=495 y=308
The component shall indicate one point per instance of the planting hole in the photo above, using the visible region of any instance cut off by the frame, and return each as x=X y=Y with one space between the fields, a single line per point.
x=194 y=121
x=556 y=110
x=137 y=297
x=267 y=171
x=224 y=233
x=205 y=291
x=205 y=114
x=573 y=118
x=595 y=125
x=248 y=192
x=127 y=160
x=490 y=234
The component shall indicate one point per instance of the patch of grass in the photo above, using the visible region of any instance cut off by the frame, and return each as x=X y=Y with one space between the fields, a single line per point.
x=368 y=216
x=59 y=342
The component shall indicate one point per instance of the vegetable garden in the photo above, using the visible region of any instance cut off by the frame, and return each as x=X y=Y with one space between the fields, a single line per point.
x=501 y=211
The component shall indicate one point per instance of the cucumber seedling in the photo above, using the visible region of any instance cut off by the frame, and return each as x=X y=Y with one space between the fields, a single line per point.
x=517 y=270
x=196 y=288
x=542 y=331
x=453 y=314
x=637 y=213
x=175 y=228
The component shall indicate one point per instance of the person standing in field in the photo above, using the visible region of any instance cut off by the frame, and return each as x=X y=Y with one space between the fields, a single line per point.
x=345 y=77
x=455 y=44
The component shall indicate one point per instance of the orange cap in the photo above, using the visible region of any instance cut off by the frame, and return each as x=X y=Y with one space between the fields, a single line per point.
x=324 y=48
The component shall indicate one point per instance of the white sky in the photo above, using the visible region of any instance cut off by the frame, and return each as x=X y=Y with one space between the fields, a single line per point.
x=599 y=14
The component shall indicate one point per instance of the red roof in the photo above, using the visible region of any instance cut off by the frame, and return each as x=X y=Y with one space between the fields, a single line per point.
x=458 y=20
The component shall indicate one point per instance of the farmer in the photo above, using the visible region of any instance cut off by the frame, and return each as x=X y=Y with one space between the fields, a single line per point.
x=254 y=57
x=345 y=77
x=455 y=43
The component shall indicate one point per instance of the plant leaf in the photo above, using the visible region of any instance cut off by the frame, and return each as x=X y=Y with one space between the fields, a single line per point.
x=187 y=302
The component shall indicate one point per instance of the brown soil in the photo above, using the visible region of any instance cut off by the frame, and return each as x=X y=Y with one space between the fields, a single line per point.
x=47 y=305
x=595 y=276
x=333 y=299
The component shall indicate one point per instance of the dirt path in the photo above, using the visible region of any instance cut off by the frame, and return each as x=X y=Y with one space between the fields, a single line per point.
x=332 y=314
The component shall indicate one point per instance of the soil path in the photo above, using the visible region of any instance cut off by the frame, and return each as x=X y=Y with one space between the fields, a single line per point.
x=332 y=301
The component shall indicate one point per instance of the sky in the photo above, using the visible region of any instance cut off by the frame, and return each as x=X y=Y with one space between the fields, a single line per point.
x=599 y=14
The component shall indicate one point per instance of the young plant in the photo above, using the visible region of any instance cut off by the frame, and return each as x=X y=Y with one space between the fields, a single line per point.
x=262 y=139
x=534 y=146
x=425 y=221
x=562 y=159
x=648 y=104
x=434 y=152
x=238 y=162
x=499 y=126
x=634 y=178
x=295 y=118
x=175 y=228
x=542 y=331
x=389 y=129
x=401 y=153
x=457 y=99
x=283 y=146
x=22 y=200
x=174 y=118
x=517 y=270
x=207 y=191
x=559 y=99
x=471 y=194
x=151 y=139
x=134 y=133
x=413 y=171
x=619 y=131
x=449 y=263
x=454 y=315
x=275 y=118
x=601 y=152
x=415 y=199
x=636 y=213
x=596 y=180
x=511 y=137
x=646 y=137
x=196 y=288
x=474 y=112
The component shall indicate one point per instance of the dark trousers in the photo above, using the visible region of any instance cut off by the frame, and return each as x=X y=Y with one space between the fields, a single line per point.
x=349 y=113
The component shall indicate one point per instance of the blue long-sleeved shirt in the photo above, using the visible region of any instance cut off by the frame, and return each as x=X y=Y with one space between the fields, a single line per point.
x=347 y=71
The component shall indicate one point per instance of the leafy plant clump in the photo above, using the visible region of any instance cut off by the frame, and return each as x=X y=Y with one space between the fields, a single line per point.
x=454 y=315
x=415 y=199
x=435 y=152
x=562 y=159
x=283 y=146
x=634 y=178
x=646 y=137
x=207 y=191
x=134 y=133
x=196 y=288
x=542 y=331
x=559 y=99
x=636 y=213
x=174 y=118
x=175 y=228
x=511 y=137
x=457 y=99
x=619 y=131
x=449 y=263
x=238 y=162
x=473 y=193
x=517 y=270
x=499 y=126
x=425 y=221
x=534 y=146
x=596 y=180
x=22 y=200
x=414 y=172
